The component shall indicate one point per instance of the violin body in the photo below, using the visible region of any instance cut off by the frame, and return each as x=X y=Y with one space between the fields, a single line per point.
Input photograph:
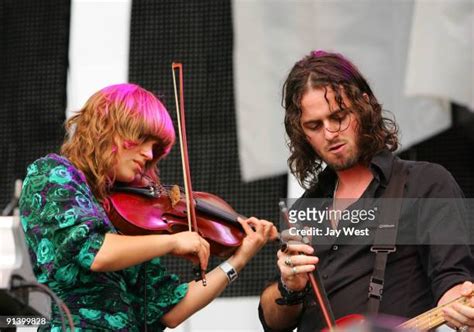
x=142 y=211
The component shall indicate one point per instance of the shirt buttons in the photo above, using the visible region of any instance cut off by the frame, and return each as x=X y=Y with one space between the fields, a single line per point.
x=325 y=276
x=335 y=247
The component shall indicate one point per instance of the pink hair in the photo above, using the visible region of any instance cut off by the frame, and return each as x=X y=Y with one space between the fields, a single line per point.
x=126 y=110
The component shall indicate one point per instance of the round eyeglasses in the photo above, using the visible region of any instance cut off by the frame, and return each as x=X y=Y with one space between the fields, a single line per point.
x=339 y=121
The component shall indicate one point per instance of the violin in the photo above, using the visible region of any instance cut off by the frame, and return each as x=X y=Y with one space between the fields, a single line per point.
x=162 y=210
x=156 y=210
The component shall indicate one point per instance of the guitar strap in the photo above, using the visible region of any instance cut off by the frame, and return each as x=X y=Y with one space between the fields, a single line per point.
x=386 y=233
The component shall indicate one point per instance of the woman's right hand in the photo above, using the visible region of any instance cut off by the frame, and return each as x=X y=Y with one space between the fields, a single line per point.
x=295 y=263
x=192 y=246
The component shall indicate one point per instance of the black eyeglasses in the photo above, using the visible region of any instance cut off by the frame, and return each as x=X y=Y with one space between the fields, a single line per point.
x=339 y=120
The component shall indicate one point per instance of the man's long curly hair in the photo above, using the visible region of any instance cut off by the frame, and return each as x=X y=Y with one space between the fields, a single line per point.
x=124 y=111
x=325 y=70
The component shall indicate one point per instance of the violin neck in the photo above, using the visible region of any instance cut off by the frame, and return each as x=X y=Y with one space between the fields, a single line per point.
x=214 y=211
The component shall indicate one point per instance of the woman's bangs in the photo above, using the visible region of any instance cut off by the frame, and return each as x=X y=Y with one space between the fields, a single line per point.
x=158 y=122
x=155 y=123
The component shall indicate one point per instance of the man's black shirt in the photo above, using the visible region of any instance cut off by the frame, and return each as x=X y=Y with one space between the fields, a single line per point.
x=416 y=276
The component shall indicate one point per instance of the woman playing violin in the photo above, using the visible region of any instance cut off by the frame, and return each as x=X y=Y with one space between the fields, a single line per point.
x=118 y=136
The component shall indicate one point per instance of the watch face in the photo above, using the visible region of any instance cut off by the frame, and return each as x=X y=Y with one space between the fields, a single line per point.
x=229 y=271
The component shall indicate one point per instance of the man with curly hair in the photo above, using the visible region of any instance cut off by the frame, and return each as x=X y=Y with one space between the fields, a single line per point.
x=333 y=118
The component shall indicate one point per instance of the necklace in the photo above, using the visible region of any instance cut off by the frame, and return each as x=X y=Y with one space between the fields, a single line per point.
x=335 y=190
x=334 y=221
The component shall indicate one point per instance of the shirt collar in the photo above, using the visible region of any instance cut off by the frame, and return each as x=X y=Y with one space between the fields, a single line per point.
x=380 y=165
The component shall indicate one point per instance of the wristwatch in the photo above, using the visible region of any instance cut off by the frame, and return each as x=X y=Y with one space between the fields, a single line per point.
x=229 y=271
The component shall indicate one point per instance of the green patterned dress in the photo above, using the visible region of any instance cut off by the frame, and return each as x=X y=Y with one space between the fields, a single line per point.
x=65 y=227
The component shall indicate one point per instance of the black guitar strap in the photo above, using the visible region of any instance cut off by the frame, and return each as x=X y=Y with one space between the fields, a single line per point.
x=386 y=234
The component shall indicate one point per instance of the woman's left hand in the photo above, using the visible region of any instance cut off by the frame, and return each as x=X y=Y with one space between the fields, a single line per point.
x=258 y=232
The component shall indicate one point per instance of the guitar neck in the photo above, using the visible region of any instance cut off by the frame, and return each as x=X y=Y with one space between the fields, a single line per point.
x=432 y=318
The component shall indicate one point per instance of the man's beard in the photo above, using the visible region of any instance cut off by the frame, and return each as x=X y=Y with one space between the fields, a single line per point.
x=351 y=160
x=345 y=164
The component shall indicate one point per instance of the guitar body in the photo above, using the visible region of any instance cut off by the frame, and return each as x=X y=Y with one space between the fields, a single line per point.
x=348 y=322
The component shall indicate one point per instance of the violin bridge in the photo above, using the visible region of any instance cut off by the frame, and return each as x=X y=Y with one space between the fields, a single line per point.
x=175 y=195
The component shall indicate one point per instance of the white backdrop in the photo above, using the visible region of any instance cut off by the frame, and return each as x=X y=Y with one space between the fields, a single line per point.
x=416 y=55
x=98 y=48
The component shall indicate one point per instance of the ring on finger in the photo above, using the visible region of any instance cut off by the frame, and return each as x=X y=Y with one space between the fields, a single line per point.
x=288 y=261
x=463 y=328
x=293 y=269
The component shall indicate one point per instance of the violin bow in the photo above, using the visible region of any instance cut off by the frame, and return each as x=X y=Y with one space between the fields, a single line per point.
x=179 y=99
x=314 y=280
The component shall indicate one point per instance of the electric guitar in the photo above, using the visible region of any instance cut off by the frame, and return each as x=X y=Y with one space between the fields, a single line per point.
x=424 y=322
x=432 y=318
